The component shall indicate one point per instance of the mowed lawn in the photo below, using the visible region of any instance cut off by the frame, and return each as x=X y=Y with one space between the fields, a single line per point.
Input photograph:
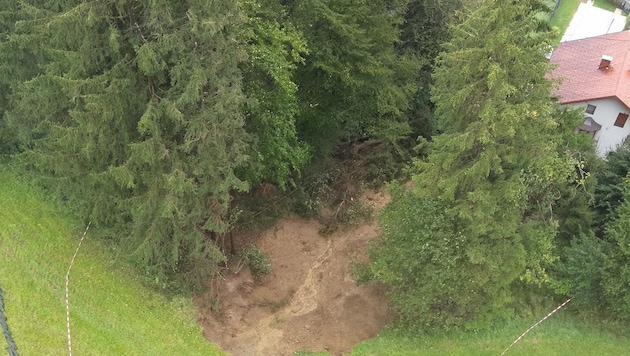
x=563 y=16
x=111 y=312
x=561 y=335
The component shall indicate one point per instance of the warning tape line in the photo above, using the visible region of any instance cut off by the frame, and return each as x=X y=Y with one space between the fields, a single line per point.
x=535 y=325
x=67 y=288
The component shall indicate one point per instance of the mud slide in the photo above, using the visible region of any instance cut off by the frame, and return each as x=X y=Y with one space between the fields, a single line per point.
x=309 y=302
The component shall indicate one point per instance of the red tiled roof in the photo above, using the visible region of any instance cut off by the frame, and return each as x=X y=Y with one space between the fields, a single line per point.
x=578 y=62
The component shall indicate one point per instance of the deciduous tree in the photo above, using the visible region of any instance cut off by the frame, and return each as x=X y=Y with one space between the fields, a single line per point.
x=353 y=84
x=275 y=48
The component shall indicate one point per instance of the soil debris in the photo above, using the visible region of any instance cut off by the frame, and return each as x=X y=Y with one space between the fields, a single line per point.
x=310 y=301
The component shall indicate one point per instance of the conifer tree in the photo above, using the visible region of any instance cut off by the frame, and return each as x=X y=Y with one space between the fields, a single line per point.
x=615 y=276
x=488 y=184
x=136 y=119
x=425 y=28
x=14 y=68
x=609 y=192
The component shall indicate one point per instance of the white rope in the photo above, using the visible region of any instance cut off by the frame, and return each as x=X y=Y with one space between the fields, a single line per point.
x=67 y=289
x=535 y=325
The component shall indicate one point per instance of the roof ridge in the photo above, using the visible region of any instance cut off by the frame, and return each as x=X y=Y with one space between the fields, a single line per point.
x=623 y=67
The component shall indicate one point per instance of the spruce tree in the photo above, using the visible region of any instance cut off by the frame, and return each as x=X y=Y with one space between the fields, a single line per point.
x=424 y=30
x=615 y=275
x=136 y=120
x=16 y=66
x=609 y=191
x=489 y=180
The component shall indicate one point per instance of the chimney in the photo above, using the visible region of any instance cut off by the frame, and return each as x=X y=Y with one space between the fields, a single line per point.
x=605 y=63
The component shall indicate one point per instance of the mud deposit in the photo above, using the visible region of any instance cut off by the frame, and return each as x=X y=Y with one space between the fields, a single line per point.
x=309 y=302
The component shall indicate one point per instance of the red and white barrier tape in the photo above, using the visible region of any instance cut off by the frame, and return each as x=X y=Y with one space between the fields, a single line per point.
x=535 y=325
x=67 y=289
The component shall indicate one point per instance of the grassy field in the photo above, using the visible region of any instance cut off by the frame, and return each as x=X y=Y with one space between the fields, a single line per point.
x=563 y=16
x=112 y=313
x=560 y=335
x=604 y=4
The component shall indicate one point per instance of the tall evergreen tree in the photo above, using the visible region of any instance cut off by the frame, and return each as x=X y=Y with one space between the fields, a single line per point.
x=424 y=30
x=136 y=119
x=489 y=179
x=609 y=192
x=15 y=67
x=615 y=276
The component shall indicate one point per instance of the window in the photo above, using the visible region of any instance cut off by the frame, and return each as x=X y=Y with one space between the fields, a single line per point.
x=621 y=120
x=590 y=109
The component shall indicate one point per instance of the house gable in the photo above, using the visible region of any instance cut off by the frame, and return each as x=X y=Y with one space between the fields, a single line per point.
x=596 y=71
x=606 y=112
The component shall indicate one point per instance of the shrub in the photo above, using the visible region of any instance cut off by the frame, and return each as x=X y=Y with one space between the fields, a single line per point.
x=258 y=262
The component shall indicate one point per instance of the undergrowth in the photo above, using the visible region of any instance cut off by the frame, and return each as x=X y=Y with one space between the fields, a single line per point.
x=349 y=213
x=331 y=184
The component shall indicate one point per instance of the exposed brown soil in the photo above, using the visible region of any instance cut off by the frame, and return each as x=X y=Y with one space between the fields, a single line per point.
x=309 y=302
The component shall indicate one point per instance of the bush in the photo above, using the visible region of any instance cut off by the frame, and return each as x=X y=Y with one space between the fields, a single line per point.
x=424 y=260
x=349 y=213
x=258 y=262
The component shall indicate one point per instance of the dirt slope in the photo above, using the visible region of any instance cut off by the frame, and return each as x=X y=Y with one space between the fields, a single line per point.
x=309 y=302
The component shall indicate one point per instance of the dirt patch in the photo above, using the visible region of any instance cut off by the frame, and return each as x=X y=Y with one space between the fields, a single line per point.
x=309 y=302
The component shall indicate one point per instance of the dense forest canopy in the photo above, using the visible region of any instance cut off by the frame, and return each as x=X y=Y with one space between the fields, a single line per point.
x=149 y=117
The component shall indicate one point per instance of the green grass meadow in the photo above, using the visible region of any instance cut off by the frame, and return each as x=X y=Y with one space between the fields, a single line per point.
x=112 y=313
x=560 y=335
x=566 y=10
x=563 y=16
x=605 y=4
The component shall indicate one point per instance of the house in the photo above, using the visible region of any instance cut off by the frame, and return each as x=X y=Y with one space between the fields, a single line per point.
x=595 y=76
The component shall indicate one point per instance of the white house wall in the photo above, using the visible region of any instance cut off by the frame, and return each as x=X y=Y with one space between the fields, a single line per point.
x=610 y=136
